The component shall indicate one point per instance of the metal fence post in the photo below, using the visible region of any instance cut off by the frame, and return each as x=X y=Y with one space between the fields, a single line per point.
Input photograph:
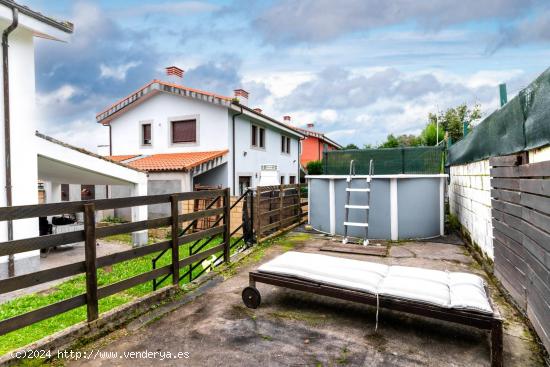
x=90 y=262
x=175 y=245
x=402 y=160
x=227 y=224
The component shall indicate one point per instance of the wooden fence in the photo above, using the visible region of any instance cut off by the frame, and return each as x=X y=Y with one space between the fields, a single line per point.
x=91 y=263
x=278 y=207
x=521 y=230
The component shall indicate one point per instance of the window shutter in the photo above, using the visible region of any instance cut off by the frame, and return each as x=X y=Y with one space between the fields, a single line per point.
x=283 y=144
x=288 y=145
x=184 y=131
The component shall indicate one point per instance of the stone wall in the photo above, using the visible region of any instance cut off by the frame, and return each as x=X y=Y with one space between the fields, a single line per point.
x=470 y=202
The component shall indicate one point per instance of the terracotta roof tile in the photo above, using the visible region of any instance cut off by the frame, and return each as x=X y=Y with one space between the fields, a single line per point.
x=171 y=161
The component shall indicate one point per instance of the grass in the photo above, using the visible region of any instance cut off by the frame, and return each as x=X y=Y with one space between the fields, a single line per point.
x=76 y=286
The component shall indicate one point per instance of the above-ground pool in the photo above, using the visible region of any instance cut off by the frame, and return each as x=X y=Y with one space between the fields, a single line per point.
x=403 y=206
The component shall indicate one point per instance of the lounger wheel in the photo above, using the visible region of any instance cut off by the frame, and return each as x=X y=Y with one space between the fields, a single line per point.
x=251 y=297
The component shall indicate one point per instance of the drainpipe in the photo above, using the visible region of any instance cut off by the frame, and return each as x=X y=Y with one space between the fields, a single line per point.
x=233 y=147
x=7 y=145
x=110 y=140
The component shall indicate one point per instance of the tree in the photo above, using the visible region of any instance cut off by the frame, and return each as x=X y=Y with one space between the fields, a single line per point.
x=452 y=120
x=391 y=142
x=404 y=140
x=409 y=140
x=428 y=135
x=351 y=146
x=314 y=168
x=368 y=146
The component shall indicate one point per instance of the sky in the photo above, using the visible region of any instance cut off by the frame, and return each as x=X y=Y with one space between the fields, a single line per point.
x=358 y=69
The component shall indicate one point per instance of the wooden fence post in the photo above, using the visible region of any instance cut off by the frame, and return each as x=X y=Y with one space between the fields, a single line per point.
x=281 y=205
x=90 y=261
x=175 y=246
x=258 y=214
x=227 y=224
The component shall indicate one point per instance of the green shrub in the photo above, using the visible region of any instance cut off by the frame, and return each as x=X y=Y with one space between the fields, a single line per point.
x=314 y=168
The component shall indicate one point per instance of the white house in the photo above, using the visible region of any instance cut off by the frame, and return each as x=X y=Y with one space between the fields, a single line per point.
x=27 y=156
x=185 y=137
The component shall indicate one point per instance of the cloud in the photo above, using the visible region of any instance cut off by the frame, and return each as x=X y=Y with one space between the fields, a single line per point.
x=259 y=93
x=322 y=20
x=337 y=88
x=529 y=30
x=221 y=76
x=180 y=8
x=360 y=107
x=101 y=58
x=117 y=72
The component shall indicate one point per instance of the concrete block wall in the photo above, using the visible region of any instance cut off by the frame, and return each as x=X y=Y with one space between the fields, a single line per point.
x=470 y=202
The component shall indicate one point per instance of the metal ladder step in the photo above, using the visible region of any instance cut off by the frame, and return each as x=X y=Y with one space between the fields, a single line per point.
x=357 y=206
x=357 y=190
x=355 y=224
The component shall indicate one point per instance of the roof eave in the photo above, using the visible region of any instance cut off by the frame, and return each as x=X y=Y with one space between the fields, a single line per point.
x=236 y=107
x=39 y=24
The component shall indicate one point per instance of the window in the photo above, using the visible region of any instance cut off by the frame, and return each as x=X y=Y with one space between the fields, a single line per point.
x=244 y=183
x=282 y=180
x=146 y=134
x=292 y=180
x=64 y=192
x=262 y=137
x=288 y=145
x=87 y=192
x=257 y=137
x=184 y=131
x=285 y=144
x=254 y=141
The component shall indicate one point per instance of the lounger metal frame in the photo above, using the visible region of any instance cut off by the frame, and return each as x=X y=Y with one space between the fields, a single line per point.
x=490 y=322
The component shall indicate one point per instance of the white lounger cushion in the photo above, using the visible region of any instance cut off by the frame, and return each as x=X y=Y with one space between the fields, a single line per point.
x=445 y=289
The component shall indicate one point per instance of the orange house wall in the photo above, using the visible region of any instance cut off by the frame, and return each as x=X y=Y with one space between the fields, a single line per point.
x=312 y=150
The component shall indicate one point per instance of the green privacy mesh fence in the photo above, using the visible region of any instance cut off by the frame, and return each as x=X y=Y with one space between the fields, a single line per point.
x=417 y=160
x=522 y=124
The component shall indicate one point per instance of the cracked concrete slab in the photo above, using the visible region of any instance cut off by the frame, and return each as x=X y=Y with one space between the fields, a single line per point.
x=292 y=328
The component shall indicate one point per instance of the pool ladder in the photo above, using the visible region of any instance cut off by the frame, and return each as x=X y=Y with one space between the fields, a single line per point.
x=349 y=205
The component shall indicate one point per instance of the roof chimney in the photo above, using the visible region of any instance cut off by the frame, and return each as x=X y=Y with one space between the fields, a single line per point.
x=174 y=74
x=286 y=119
x=258 y=110
x=242 y=96
x=310 y=125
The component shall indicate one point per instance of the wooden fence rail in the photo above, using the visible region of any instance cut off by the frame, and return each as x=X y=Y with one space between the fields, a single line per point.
x=278 y=207
x=91 y=233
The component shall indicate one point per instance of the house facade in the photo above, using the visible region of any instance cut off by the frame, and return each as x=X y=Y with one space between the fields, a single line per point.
x=28 y=157
x=314 y=144
x=185 y=138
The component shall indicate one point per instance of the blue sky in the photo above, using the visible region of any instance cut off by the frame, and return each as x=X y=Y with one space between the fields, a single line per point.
x=358 y=69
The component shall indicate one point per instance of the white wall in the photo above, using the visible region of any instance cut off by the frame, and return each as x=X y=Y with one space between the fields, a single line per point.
x=250 y=165
x=212 y=123
x=215 y=133
x=23 y=126
x=470 y=201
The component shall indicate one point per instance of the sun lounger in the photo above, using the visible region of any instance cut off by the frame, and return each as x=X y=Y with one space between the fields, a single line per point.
x=450 y=296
